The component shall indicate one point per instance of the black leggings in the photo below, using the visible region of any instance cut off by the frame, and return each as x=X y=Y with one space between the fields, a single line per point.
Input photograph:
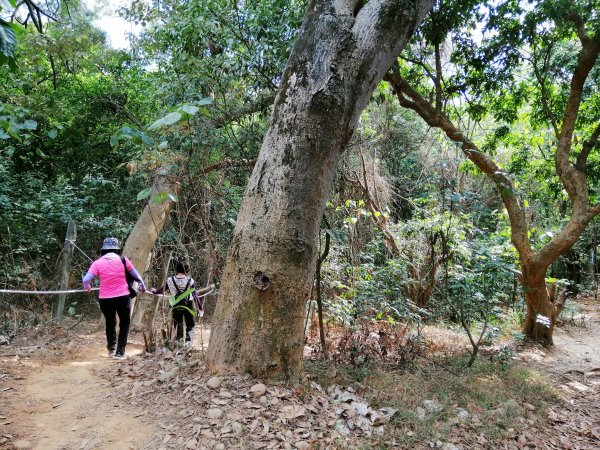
x=111 y=308
x=178 y=315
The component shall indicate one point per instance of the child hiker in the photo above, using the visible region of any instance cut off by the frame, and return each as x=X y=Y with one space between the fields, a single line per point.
x=177 y=284
x=114 y=298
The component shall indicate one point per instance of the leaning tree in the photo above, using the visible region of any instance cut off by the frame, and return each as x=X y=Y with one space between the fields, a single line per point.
x=536 y=64
x=343 y=50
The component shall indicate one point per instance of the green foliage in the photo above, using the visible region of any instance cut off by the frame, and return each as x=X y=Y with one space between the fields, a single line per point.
x=8 y=42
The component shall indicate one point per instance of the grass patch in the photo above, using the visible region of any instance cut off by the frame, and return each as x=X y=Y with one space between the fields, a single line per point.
x=501 y=401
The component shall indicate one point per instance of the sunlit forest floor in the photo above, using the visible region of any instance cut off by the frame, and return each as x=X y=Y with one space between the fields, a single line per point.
x=60 y=391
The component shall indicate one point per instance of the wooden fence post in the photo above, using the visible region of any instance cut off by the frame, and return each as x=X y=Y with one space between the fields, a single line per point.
x=65 y=270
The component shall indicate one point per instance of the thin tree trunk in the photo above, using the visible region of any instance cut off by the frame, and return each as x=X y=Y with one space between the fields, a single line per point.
x=65 y=269
x=320 y=261
x=141 y=240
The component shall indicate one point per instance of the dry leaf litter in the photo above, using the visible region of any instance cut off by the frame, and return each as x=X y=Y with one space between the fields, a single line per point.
x=200 y=411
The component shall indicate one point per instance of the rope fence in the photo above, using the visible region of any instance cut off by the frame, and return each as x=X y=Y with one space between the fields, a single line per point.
x=74 y=291
x=69 y=291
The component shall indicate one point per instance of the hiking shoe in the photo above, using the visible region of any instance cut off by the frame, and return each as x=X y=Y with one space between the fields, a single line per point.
x=119 y=355
x=111 y=352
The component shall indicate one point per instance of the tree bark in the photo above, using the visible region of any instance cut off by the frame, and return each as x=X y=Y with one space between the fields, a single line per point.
x=342 y=52
x=151 y=221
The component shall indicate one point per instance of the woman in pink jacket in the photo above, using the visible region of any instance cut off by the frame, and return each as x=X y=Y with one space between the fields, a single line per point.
x=114 y=293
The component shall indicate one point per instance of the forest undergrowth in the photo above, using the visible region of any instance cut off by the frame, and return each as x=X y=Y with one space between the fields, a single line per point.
x=418 y=393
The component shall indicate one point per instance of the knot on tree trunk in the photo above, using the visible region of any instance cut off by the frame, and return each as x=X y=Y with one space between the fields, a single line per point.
x=261 y=281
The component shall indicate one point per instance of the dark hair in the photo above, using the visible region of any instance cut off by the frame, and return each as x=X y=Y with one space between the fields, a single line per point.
x=117 y=251
x=181 y=267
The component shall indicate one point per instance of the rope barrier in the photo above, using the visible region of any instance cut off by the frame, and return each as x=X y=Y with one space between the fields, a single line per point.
x=74 y=291
x=17 y=291
x=168 y=295
x=72 y=242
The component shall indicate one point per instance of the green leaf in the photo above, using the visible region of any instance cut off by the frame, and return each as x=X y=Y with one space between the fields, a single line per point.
x=52 y=133
x=190 y=109
x=162 y=197
x=144 y=194
x=8 y=40
x=146 y=139
x=30 y=124
x=40 y=153
x=205 y=101
x=13 y=3
x=114 y=141
x=169 y=119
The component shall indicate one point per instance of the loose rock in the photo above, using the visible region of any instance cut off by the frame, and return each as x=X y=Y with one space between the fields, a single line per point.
x=214 y=413
x=258 y=390
x=213 y=382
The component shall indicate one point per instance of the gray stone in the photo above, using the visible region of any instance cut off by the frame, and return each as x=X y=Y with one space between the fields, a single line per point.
x=449 y=446
x=207 y=434
x=237 y=428
x=361 y=408
x=213 y=382
x=421 y=413
x=258 y=390
x=388 y=412
x=432 y=406
x=214 y=413
x=342 y=429
x=462 y=414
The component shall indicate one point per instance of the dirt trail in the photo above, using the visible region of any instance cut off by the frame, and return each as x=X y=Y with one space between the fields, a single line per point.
x=69 y=402
x=68 y=406
x=576 y=348
x=574 y=364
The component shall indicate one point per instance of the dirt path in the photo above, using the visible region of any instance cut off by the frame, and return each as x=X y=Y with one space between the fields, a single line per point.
x=574 y=365
x=68 y=406
x=576 y=348
x=70 y=401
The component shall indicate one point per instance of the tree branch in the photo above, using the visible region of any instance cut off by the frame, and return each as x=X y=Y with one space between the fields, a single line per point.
x=587 y=148
x=433 y=118
x=573 y=179
x=228 y=163
x=579 y=25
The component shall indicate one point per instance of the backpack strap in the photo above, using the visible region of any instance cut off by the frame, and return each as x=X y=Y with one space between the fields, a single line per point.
x=126 y=271
x=175 y=285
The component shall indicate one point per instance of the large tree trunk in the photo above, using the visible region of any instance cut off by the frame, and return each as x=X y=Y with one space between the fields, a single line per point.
x=540 y=317
x=342 y=52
